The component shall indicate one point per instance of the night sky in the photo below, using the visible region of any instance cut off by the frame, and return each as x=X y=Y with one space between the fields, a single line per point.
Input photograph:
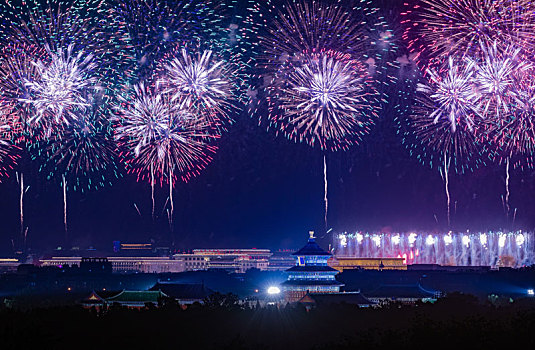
x=265 y=191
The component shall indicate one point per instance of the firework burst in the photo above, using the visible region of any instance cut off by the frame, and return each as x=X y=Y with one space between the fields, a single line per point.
x=513 y=133
x=496 y=76
x=162 y=139
x=324 y=100
x=60 y=92
x=461 y=27
x=453 y=93
x=311 y=27
x=201 y=83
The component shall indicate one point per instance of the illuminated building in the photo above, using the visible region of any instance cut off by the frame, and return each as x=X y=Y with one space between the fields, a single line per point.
x=8 y=265
x=347 y=263
x=151 y=264
x=233 y=260
x=495 y=249
x=281 y=261
x=311 y=273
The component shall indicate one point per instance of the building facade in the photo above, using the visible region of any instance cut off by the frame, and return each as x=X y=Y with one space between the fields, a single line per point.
x=232 y=260
x=311 y=273
x=124 y=264
x=349 y=263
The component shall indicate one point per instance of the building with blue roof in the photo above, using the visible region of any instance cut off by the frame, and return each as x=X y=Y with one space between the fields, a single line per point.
x=311 y=274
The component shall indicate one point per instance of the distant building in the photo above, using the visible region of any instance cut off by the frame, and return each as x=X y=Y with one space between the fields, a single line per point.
x=8 y=265
x=348 y=263
x=404 y=293
x=126 y=298
x=124 y=264
x=232 y=260
x=281 y=261
x=140 y=249
x=95 y=265
x=311 y=274
x=183 y=293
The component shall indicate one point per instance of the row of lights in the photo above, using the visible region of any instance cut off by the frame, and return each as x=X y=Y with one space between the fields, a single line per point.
x=430 y=240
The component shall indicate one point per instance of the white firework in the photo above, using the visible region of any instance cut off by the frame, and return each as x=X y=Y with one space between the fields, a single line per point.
x=163 y=138
x=62 y=87
x=495 y=77
x=453 y=93
x=200 y=82
x=326 y=98
x=144 y=119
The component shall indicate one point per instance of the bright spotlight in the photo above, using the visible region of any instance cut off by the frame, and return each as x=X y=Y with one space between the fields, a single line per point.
x=396 y=239
x=430 y=240
x=531 y=292
x=412 y=238
x=273 y=290
x=448 y=239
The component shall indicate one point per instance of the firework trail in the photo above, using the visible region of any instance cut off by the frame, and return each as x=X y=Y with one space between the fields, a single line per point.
x=499 y=79
x=512 y=134
x=23 y=190
x=442 y=129
x=58 y=61
x=325 y=199
x=161 y=139
x=318 y=66
x=83 y=154
x=64 y=185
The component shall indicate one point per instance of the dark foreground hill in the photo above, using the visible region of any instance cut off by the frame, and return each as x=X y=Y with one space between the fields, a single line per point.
x=457 y=321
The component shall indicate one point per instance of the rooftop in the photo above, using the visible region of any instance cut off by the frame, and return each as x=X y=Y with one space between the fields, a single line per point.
x=311 y=248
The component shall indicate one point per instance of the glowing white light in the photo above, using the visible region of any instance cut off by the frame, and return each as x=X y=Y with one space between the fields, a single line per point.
x=429 y=240
x=273 y=290
x=396 y=239
x=519 y=240
x=448 y=239
x=377 y=240
x=412 y=238
x=343 y=240
x=531 y=292
x=483 y=238
x=501 y=241
x=466 y=240
x=359 y=238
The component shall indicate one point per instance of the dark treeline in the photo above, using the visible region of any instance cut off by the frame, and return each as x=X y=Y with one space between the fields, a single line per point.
x=457 y=321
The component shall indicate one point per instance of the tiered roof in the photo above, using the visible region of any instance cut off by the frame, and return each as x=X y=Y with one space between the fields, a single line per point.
x=311 y=248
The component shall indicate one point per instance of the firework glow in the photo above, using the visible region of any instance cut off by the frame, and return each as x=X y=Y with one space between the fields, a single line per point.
x=61 y=87
x=162 y=137
x=200 y=83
